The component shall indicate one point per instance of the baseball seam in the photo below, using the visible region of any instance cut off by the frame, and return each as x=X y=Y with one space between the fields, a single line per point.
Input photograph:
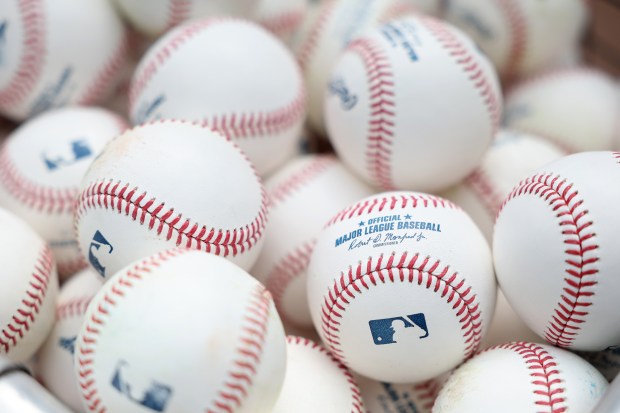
x=311 y=42
x=283 y=24
x=427 y=393
x=75 y=307
x=468 y=62
x=233 y=125
x=357 y=403
x=382 y=107
x=543 y=370
x=178 y=12
x=130 y=201
x=33 y=54
x=69 y=267
x=481 y=183
x=616 y=156
x=378 y=204
x=580 y=249
x=518 y=27
x=31 y=303
x=403 y=268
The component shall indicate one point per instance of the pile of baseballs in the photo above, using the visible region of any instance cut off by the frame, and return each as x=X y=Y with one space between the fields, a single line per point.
x=290 y=206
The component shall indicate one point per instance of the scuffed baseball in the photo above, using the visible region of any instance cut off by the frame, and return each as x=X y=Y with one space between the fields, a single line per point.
x=231 y=75
x=57 y=53
x=302 y=197
x=521 y=37
x=522 y=377
x=54 y=362
x=412 y=105
x=554 y=250
x=511 y=157
x=327 y=30
x=29 y=289
x=165 y=184
x=400 y=271
x=316 y=382
x=42 y=165
x=281 y=17
x=181 y=331
x=578 y=109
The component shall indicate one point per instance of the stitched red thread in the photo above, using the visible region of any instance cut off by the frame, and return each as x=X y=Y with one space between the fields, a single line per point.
x=378 y=204
x=75 y=307
x=357 y=404
x=134 y=203
x=468 y=61
x=544 y=372
x=581 y=272
x=311 y=42
x=178 y=12
x=404 y=268
x=616 y=156
x=381 y=123
x=285 y=23
x=288 y=269
x=301 y=178
x=518 y=28
x=31 y=303
x=480 y=182
x=249 y=352
x=427 y=393
x=69 y=267
x=233 y=125
x=33 y=51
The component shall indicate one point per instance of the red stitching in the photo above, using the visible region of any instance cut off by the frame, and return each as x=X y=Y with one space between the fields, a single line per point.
x=405 y=269
x=86 y=349
x=69 y=267
x=581 y=255
x=470 y=65
x=616 y=155
x=34 y=296
x=73 y=308
x=427 y=393
x=233 y=125
x=358 y=404
x=544 y=373
x=32 y=15
x=178 y=12
x=249 y=352
x=299 y=179
x=288 y=269
x=382 y=110
x=283 y=24
x=517 y=24
x=101 y=84
x=310 y=43
x=480 y=182
x=131 y=201
x=32 y=195
x=379 y=203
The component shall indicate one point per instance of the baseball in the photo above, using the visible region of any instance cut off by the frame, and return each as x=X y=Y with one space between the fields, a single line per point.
x=577 y=109
x=431 y=7
x=54 y=365
x=522 y=377
x=332 y=387
x=57 y=52
x=169 y=183
x=324 y=34
x=607 y=361
x=401 y=286
x=41 y=166
x=302 y=197
x=181 y=331
x=152 y=18
x=29 y=289
x=398 y=131
x=554 y=250
x=511 y=157
x=231 y=75
x=281 y=17
x=521 y=37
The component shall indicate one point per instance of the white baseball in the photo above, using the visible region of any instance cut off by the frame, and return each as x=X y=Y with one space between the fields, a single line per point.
x=41 y=166
x=233 y=76
x=326 y=32
x=303 y=195
x=281 y=17
x=401 y=286
x=152 y=18
x=56 y=53
x=169 y=183
x=512 y=156
x=521 y=37
x=554 y=250
x=380 y=397
x=54 y=364
x=577 y=109
x=316 y=382
x=397 y=131
x=607 y=362
x=29 y=289
x=181 y=331
x=522 y=377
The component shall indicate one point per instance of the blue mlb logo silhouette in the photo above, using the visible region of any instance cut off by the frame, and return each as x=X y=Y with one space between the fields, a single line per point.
x=384 y=329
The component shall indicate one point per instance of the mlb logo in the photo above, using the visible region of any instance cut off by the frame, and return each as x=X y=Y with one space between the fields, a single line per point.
x=98 y=243
x=387 y=330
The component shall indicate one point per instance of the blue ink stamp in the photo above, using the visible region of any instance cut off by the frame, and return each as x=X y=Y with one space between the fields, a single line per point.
x=155 y=397
x=347 y=99
x=384 y=330
x=79 y=151
x=3 y=27
x=68 y=343
x=147 y=110
x=98 y=242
